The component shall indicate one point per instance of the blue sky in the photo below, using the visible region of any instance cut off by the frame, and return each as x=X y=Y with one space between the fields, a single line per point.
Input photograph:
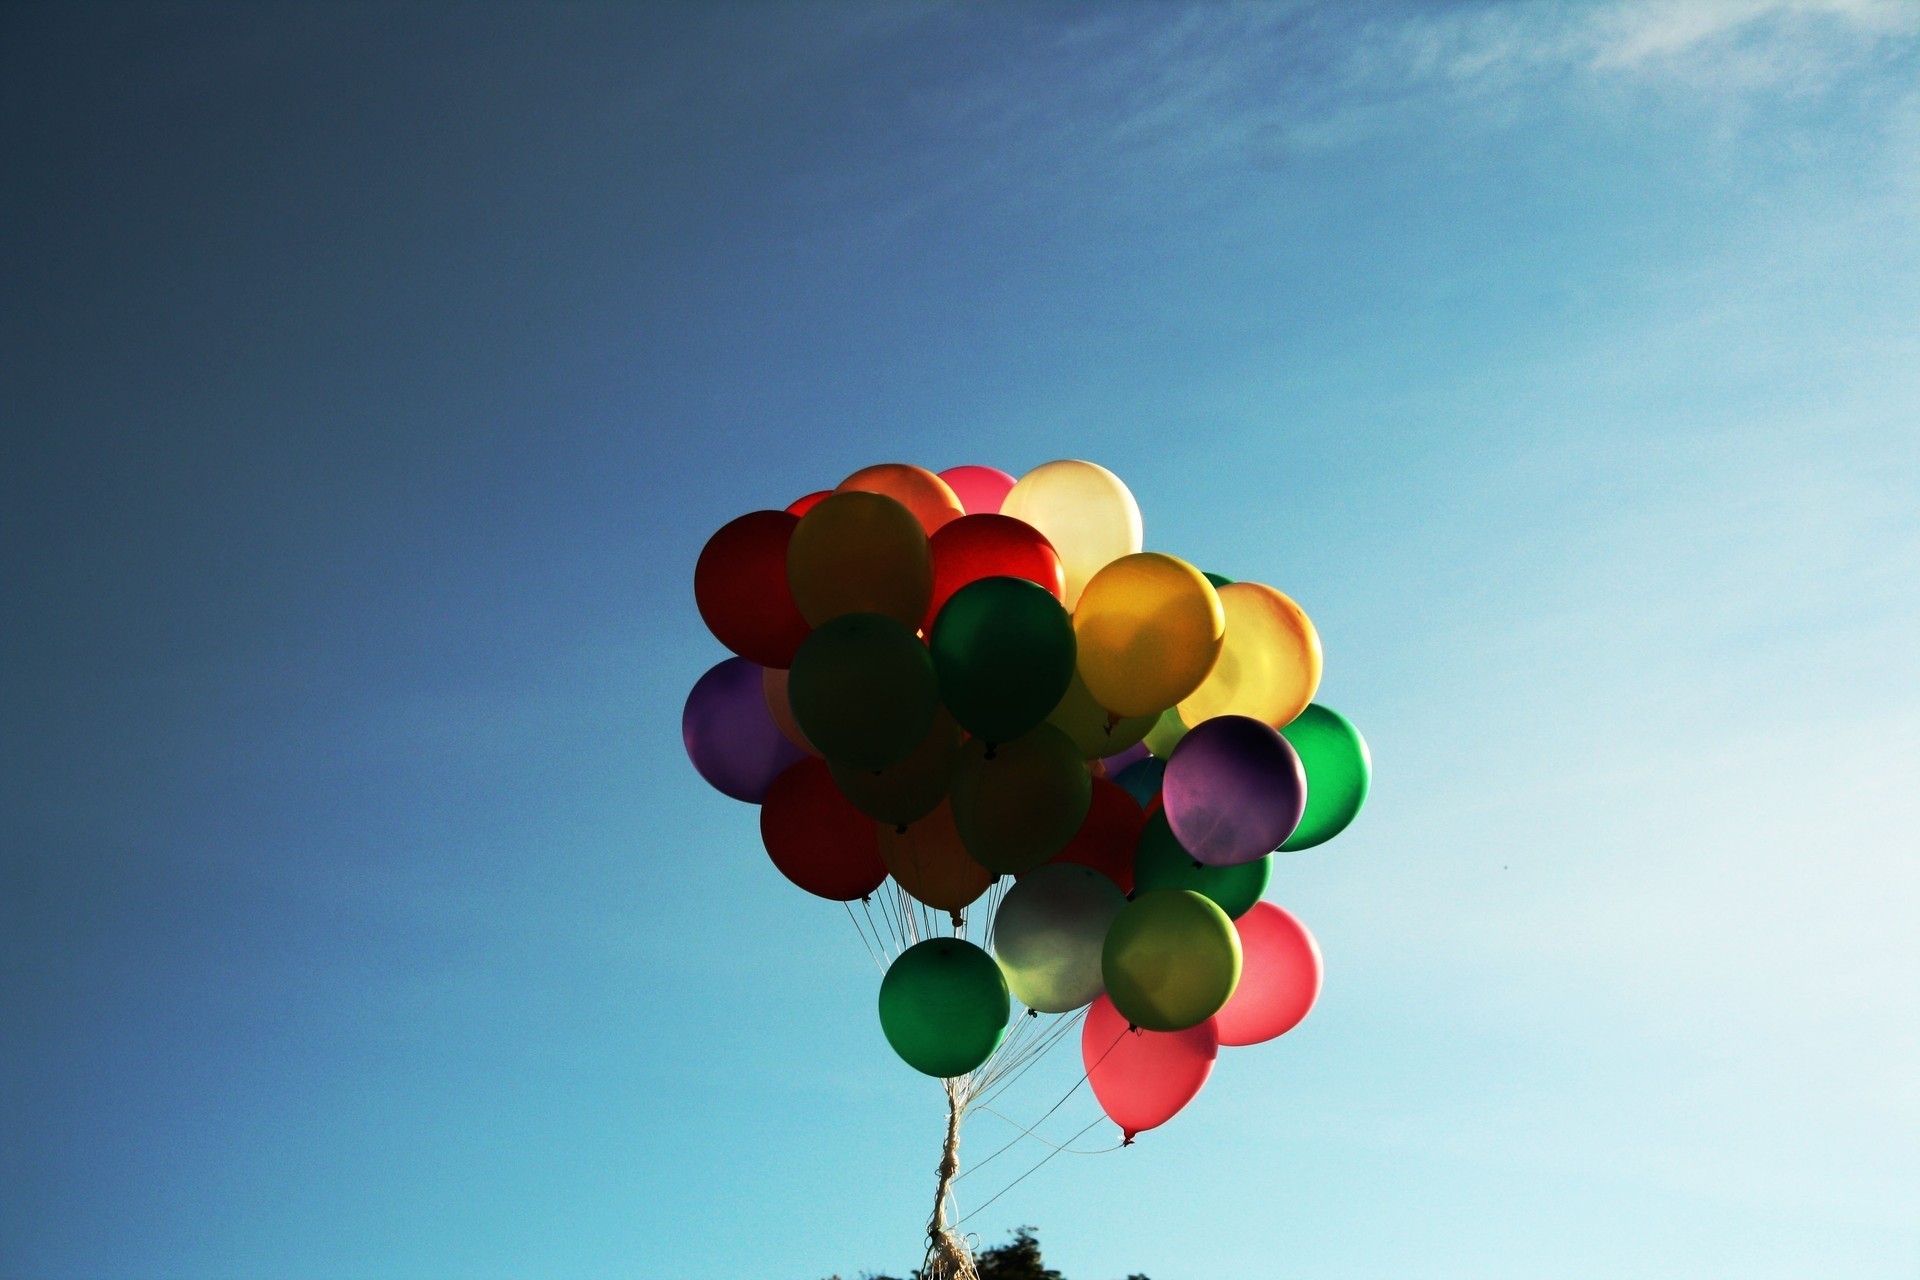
x=373 y=376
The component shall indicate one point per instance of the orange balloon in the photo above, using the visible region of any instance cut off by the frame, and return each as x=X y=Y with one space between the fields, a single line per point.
x=930 y=863
x=1269 y=665
x=773 y=684
x=932 y=501
x=859 y=552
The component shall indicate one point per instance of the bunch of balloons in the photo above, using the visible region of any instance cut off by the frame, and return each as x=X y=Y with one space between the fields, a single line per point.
x=979 y=686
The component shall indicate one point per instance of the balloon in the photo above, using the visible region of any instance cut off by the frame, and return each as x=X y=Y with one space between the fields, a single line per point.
x=1107 y=838
x=917 y=489
x=981 y=490
x=773 y=684
x=931 y=864
x=1142 y=778
x=740 y=586
x=988 y=546
x=1143 y=1078
x=1018 y=803
x=1150 y=628
x=1084 y=511
x=1094 y=729
x=730 y=736
x=1121 y=761
x=1048 y=934
x=1233 y=790
x=1003 y=648
x=907 y=791
x=1171 y=959
x=1269 y=665
x=860 y=553
x=816 y=838
x=944 y=1007
x=800 y=506
x=863 y=690
x=1166 y=733
x=1219 y=581
x=1159 y=862
x=1280 y=979
x=1339 y=772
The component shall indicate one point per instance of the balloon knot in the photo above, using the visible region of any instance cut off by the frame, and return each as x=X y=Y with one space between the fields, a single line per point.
x=901 y=829
x=1197 y=864
x=1133 y=1027
x=991 y=748
x=1033 y=1013
x=1127 y=1141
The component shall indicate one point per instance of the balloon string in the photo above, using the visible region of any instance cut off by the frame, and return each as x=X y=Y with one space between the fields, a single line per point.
x=1029 y=1133
x=855 y=922
x=1029 y=1173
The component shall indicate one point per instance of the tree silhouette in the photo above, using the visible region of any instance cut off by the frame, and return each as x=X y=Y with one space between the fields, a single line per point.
x=1017 y=1259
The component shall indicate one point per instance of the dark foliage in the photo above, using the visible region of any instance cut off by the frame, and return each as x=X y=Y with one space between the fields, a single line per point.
x=1017 y=1259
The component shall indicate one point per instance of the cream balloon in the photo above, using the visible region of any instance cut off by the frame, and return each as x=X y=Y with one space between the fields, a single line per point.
x=1083 y=510
x=1269 y=666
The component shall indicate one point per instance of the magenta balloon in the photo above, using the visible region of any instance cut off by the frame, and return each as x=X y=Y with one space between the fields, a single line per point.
x=1119 y=760
x=1143 y=1078
x=1280 y=975
x=1233 y=790
x=730 y=735
x=981 y=490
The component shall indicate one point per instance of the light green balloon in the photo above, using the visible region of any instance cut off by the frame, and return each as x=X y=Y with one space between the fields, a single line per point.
x=1166 y=733
x=1171 y=960
x=1339 y=771
x=1049 y=932
x=1092 y=727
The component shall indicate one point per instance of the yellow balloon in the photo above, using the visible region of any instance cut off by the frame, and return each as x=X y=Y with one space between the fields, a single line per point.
x=1149 y=627
x=1094 y=729
x=858 y=552
x=1269 y=667
x=1084 y=511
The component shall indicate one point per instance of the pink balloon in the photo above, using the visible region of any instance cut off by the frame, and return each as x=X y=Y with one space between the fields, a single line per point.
x=1279 y=977
x=1143 y=1078
x=981 y=490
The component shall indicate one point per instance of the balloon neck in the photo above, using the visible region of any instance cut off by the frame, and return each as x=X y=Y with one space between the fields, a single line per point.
x=959 y=921
x=991 y=748
x=901 y=829
x=1133 y=1028
x=1033 y=1013
x=1126 y=1139
x=1113 y=722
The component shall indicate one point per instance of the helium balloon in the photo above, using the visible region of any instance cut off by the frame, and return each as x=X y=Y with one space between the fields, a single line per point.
x=816 y=837
x=1094 y=729
x=1142 y=779
x=730 y=736
x=1171 y=959
x=740 y=586
x=1219 y=581
x=1003 y=648
x=1119 y=762
x=1018 y=803
x=800 y=506
x=1150 y=628
x=860 y=552
x=863 y=690
x=1143 y=1078
x=944 y=1007
x=1048 y=935
x=1106 y=840
x=1339 y=773
x=1166 y=733
x=1159 y=862
x=918 y=490
x=907 y=791
x=929 y=862
x=1233 y=790
x=990 y=546
x=1084 y=511
x=773 y=683
x=1269 y=665
x=1279 y=980
x=981 y=490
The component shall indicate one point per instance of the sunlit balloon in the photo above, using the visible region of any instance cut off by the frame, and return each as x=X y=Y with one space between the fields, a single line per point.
x=1095 y=730
x=1171 y=959
x=917 y=489
x=1143 y=1078
x=1339 y=772
x=1150 y=628
x=981 y=490
x=1048 y=934
x=1160 y=862
x=1003 y=649
x=1085 y=512
x=991 y=546
x=1269 y=664
x=1280 y=977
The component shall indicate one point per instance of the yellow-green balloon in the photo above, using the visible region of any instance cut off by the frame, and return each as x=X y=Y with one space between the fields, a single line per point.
x=1018 y=803
x=1171 y=960
x=1093 y=728
x=1048 y=935
x=1166 y=733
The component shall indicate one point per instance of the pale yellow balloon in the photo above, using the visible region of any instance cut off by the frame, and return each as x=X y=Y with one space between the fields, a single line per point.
x=1084 y=511
x=1149 y=627
x=1269 y=667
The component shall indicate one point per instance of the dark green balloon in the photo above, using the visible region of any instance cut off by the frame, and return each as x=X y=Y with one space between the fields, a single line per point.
x=1216 y=579
x=863 y=690
x=1004 y=649
x=1016 y=804
x=1339 y=772
x=944 y=1006
x=1171 y=960
x=1161 y=862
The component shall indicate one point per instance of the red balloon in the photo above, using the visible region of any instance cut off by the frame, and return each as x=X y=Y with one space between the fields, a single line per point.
x=1142 y=1078
x=981 y=490
x=1279 y=977
x=740 y=585
x=1106 y=840
x=817 y=838
x=991 y=546
x=800 y=506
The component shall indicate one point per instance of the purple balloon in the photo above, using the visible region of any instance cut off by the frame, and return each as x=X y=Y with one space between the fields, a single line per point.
x=730 y=735
x=1119 y=760
x=1233 y=791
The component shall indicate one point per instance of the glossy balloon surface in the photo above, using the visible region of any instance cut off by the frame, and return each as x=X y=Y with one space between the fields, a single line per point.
x=1339 y=771
x=1003 y=649
x=1143 y=1078
x=1171 y=959
x=730 y=735
x=1085 y=512
x=1233 y=790
x=929 y=861
x=981 y=490
x=920 y=491
x=991 y=546
x=1049 y=932
x=1160 y=862
x=1150 y=628
x=944 y=1006
x=1269 y=663
x=1095 y=730
x=1280 y=977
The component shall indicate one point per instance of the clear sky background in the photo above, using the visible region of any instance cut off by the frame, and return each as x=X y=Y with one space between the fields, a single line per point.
x=372 y=376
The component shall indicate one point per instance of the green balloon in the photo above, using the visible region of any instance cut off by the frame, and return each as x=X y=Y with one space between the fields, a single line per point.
x=1218 y=580
x=944 y=1006
x=863 y=690
x=1166 y=733
x=1160 y=861
x=1092 y=727
x=1048 y=934
x=1171 y=960
x=911 y=789
x=1004 y=649
x=1339 y=773
x=1018 y=803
